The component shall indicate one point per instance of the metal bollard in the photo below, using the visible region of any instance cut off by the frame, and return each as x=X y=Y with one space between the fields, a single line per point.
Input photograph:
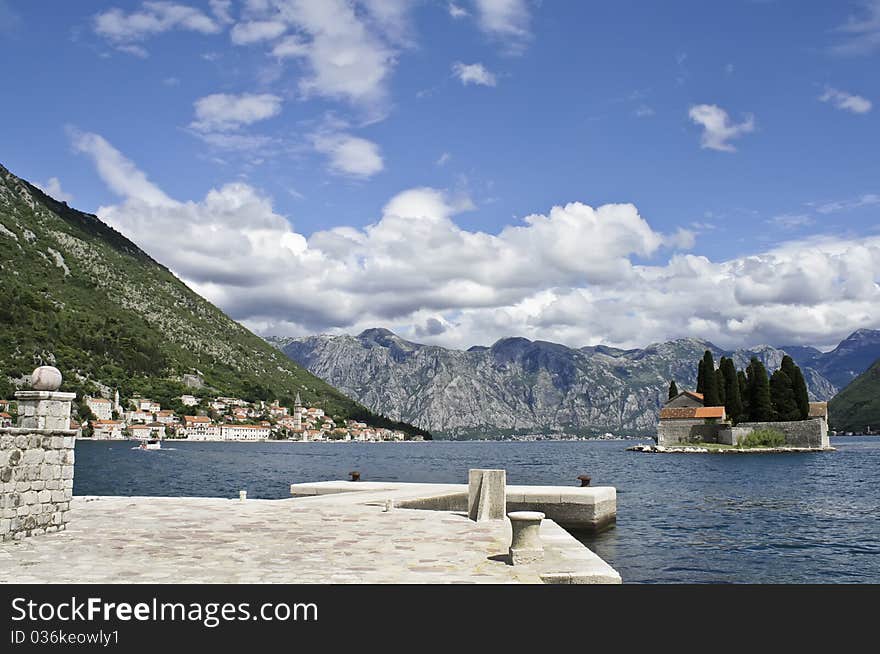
x=355 y=475
x=585 y=480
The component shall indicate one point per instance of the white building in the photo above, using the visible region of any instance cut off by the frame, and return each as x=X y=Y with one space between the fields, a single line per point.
x=200 y=428
x=166 y=417
x=140 y=432
x=101 y=408
x=245 y=432
x=107 y=429
x=189 y=400
x=138 y=416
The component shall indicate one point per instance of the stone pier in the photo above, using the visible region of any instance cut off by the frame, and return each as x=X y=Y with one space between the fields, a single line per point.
x=36 y=460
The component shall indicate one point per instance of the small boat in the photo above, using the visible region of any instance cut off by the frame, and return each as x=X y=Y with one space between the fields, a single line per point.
x=151 y=444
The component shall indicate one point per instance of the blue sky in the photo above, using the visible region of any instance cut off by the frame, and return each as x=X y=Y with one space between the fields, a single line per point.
x=744 y=134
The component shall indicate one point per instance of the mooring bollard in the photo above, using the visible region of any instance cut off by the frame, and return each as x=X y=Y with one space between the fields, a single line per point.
x=355 y=475
x=389 y=505
x=525 y=545
x=585 y=480
x=242 y=495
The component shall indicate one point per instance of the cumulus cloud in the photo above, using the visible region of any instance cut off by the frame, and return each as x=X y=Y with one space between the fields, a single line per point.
x=348 y=48
x=846 y=101
x=571 y=274
x=126 y=30
x=473 y=74
x=349 y=155
x=52 y=188
x=224 y=111
x=718 y=129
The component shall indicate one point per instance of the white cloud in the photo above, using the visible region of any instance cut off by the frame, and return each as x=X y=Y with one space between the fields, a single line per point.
x=791 y=221
x=256 y=31
x=222 y=111
x=52 y=188
x=846 y=101
x=508 y=20
x=349 y=155
x=127 y=30
x=862 y=32
x=457 y=12
x=473 y=74
x=718 y=128
x=866 y=200
x=444 y=159
x=221 y=10
x=569 y=275
x=644 y=111
x=348 y=48
x=120 y=174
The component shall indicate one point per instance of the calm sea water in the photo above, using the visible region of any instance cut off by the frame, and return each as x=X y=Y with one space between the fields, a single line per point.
x=794 y=518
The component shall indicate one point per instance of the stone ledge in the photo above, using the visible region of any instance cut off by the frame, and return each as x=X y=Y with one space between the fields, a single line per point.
x=19 y=431
x=696 y=449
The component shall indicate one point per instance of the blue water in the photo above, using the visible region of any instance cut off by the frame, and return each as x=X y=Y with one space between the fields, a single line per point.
x=772 y=518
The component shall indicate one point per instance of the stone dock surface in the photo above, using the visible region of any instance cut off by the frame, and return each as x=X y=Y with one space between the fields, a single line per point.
x=338 y=538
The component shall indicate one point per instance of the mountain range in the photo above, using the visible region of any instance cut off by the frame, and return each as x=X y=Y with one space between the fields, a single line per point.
x=79 y=295
x=518 y=386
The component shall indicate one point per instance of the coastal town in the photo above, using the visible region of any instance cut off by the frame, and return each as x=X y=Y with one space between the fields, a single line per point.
x=216 y=419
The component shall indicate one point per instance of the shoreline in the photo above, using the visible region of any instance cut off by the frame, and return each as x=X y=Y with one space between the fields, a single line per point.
x=696 y=449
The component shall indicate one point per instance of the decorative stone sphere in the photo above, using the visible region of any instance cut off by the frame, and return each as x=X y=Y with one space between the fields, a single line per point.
x=46 y=378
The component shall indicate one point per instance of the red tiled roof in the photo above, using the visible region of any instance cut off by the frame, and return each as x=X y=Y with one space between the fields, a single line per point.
x=692 y=412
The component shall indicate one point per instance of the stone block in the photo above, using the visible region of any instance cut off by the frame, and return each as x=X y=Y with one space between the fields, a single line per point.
x=44 y=496
x=487 y=494
x=67 y=472
x=525 y=544
x=34 y=456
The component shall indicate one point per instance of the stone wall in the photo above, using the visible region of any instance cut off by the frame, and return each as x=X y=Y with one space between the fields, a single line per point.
x=36 y=480
x=673 y=432
x=798 y=433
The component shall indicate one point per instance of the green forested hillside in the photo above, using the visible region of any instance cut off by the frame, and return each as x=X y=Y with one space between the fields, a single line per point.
x=79 y=295
x=857 y=406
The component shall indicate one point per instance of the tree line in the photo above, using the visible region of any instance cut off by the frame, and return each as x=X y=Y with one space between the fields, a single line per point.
x=751 y=395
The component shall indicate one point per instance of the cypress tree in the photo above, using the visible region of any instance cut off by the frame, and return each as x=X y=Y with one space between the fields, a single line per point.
x=760 y=406
x=743 y=383
x=719 y=384
x=784 y=405
x=700 y=377
x=673 y=389
x=798 y=387
x=732 y=396
x=710 y=381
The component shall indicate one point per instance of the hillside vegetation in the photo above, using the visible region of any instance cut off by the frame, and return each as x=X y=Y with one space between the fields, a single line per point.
x=857 y=406
x=79 y=295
